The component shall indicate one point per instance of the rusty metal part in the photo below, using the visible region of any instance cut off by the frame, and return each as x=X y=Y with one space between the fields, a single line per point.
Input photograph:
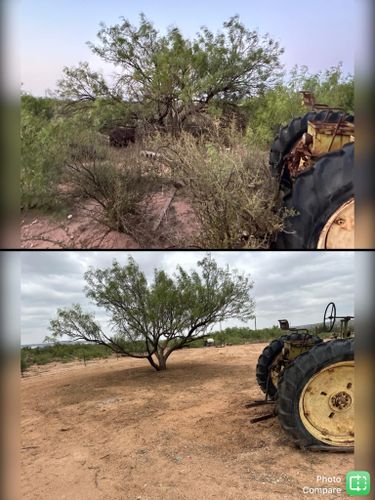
x=321 y=137
x=262 y=402
x=299 y=158
x=284 y=324
x=308 y=100
x=259 y=402
x=340 y=401
x=262 y=417
x=326 y=405
x=338 y=232
x=276 y=369
x=334 y=135
x=307 y=139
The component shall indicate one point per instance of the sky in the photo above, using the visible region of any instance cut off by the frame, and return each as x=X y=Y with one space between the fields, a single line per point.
x=53 y=34
x=292 y=285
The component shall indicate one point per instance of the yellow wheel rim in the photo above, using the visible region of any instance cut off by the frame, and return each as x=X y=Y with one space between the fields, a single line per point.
x=326 y=405
x=338 y=231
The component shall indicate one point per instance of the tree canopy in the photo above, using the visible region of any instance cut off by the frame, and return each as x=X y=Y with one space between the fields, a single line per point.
x=172 y=76
x=151 y=320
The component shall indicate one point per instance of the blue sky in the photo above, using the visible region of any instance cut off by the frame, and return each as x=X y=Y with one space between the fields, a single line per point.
x=54 y=33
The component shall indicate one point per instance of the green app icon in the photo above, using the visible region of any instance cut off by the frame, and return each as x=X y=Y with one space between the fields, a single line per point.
x=357 y=483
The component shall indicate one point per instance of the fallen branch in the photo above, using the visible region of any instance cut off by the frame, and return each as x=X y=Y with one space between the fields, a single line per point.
x=164 y=211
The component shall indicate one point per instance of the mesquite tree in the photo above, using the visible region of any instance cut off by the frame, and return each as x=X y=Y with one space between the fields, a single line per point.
x=174 y=77
x=151 y=320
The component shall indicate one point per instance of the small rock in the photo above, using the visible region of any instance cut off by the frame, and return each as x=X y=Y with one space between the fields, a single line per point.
x=69 y=216
x=34 y=222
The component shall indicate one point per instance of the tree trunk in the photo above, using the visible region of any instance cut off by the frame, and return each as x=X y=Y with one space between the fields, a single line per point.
x=152 y=362
x=162 y=358
x=160 y=363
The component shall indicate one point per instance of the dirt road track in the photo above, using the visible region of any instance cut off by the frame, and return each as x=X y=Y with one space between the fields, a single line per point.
x=116 y=429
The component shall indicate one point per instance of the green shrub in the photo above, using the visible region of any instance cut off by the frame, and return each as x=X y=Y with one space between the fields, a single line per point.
x=24 y=362
x=48 y=140
x=41 y=161
x=62 y=353
x=279 y=105
x=120 y=182
x=232 y=191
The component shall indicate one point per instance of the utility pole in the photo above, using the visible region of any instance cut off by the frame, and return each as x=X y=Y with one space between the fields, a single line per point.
x=255 y=322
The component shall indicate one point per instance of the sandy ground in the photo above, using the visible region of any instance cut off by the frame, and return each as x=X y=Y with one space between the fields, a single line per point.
x=78 y=230
x=116 y=429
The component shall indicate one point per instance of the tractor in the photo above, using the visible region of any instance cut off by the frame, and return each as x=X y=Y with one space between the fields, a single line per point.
x=313 y=160
x=310 y=382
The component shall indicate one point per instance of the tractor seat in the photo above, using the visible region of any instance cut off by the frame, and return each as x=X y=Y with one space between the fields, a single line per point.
x=284 y=325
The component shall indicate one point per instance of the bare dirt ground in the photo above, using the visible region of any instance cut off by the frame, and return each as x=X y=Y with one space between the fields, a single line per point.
x=177 y=228
x=116 y=429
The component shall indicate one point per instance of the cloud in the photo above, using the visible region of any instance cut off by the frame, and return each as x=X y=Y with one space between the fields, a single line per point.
x=293 y=285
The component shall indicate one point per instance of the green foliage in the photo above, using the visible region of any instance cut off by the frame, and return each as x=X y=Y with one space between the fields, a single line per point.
x=171 y=82
x=42 y=107
x=25 y=361
x=163 y=315
x=83 y=84
x=50 y=140
x=41 y=154
x=105 y=114
x=172 y=76
x=278 y=106
x=62 y=353
x=47 y=140
x=330 y=87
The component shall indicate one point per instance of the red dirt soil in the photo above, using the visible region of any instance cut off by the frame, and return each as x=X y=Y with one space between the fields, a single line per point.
x=116 y=429
x=177 y=229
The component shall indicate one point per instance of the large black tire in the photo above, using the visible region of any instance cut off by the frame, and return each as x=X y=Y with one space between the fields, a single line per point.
x=294 y=379
x=289 y=135
x=316 y=195
x=268 y=356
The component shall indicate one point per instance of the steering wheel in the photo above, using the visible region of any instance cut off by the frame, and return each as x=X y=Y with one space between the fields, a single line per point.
x=329 y=317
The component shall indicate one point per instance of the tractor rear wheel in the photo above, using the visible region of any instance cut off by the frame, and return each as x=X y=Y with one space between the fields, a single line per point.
x=316 y=396
x=267 y=377
x=289 y=135
x=323 y=198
